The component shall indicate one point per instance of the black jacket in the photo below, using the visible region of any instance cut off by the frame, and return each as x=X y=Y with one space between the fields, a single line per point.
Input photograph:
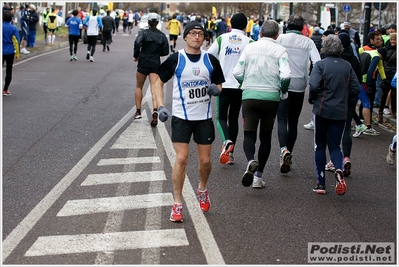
x=331 y=83
x=348 y=55
x=149 y=46
x=108 y=23
x=34 y=18
x=389 y=55
x=316 y=37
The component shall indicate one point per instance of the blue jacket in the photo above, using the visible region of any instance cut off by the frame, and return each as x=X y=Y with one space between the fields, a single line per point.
x=73 y=25
x=10 y=39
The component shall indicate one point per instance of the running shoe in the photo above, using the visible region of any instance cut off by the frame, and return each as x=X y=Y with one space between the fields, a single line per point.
x=330 y=166
x=91 y=59
x=231 y=159
x=347 y=166
x=137 y=115
x=391 y=156
x=285 y=161
x=309 y=126
x=371 y=131
x=154 y=120
x=258 y=182
x=176 y=214
x=227 y=147
x=88 y=55
x=359 y=130
x=340 y=185
x=75 y=58
x=6 y=93
x=204 y=202
x=320 y=189
x=71 y=58
x=248 y=176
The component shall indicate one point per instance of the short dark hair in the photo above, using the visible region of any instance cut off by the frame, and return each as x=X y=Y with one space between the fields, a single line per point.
x=7 y=16
x=295 y=22
x=153 y=23
x=372 y=35
x=75 y=12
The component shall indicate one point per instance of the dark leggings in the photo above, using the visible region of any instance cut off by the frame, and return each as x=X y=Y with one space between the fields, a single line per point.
x=347 y=137
x=384 y=94
x=9 y=59
x=287 y=118
x=255 y=112
x=73 y=44
x=228 y=105
x=91 y=44
x=265 y=138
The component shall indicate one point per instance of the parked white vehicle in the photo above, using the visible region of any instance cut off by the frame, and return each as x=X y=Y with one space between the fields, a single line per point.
x=143 y=24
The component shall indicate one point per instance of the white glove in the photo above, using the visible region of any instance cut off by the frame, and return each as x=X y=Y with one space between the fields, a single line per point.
x=283 y=96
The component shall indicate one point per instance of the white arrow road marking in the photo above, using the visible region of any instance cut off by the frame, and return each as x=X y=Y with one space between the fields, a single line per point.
x=123 y=177
x=149 y=240
x=67 y=244
x=23 y=228
x=133 y=138
x=126 y=161
x=109 y=204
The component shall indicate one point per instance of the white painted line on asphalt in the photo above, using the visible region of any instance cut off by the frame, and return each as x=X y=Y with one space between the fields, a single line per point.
x=125 y=161
x=208 y=243
x=112 y=204
x=23 y=228
x=136 y=136
x=105 y=242
x=123 y=177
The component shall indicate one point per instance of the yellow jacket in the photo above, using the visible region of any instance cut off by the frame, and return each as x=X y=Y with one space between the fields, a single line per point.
x=249 y=25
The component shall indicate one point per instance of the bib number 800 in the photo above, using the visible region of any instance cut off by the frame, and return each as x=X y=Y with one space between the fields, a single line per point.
x=197 y=93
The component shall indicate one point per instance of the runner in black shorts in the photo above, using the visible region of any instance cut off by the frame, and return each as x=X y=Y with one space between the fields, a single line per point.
x=197 y=76
x=147 y=53
x=203 y=131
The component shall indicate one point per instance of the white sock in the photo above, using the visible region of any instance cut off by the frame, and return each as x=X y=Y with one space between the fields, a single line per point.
x=49 y=39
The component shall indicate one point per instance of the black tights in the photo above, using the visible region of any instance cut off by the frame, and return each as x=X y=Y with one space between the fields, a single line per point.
x=73 y=44
x=91 y=44
x=9 y=59
x=265 y=138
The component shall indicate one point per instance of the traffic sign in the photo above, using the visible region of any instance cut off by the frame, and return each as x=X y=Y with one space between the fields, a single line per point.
x=383 y=5
x=347 y=8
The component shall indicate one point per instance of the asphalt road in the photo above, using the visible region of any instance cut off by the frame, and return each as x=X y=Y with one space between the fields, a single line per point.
x=85 y=183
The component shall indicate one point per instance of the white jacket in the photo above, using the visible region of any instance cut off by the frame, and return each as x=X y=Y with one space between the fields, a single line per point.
x=228 y=48
x=262 y=67
x=300 y=50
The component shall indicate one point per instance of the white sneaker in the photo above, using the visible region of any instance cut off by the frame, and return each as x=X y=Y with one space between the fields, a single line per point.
x=359 y=130
x=309 y=126
x=91 y=59
x=386 y=111
x=258 y=182
x=390 y=156
x=371 y=131
x=24 y=51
